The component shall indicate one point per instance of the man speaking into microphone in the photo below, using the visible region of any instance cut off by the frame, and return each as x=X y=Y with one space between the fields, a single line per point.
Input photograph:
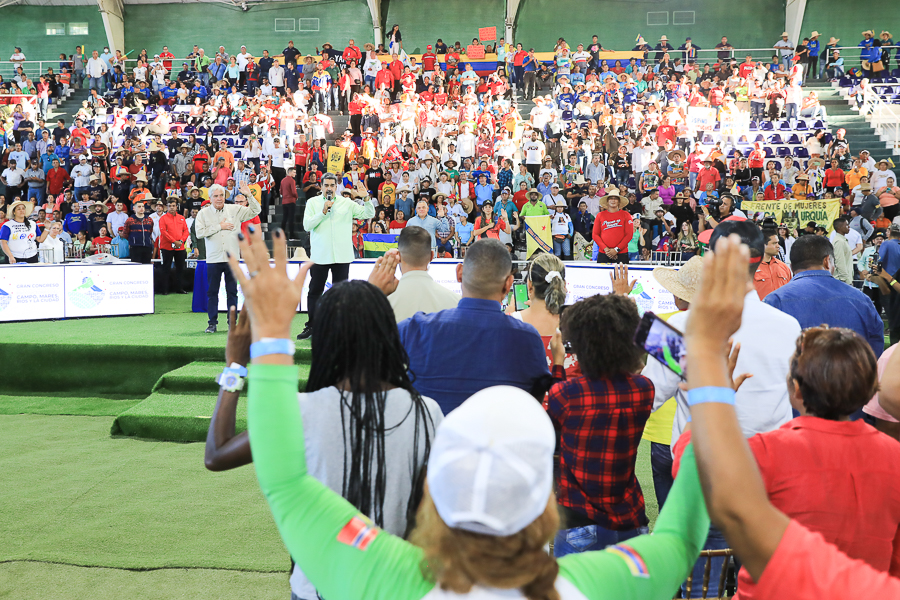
x=329 y=221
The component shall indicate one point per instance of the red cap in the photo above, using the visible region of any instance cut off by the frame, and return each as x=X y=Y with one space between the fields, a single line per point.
x=429 y=47
x=204 y=203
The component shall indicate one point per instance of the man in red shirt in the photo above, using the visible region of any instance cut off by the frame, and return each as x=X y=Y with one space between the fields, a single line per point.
x=351 y=52
x=56 y=179
x=173 y=236
x=385 y=78
x=772 y=273
x=167 y=58
x=288 y=203
x=80 y=132
x=613 y=229
x=301 y=150
x=746 y=67
x=397 y=71
x=707 y=175
x=429 y=59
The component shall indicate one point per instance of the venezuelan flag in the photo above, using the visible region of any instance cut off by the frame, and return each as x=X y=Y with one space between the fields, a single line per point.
x=376 y=244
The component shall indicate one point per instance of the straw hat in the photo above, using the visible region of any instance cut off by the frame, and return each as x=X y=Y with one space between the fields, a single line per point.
x=677 y=154
x=29 y=208
x=369 y=47
x=869 y=31
x=833 y=40
x=784 y=34
x=623 y=200
x=154 y=147
x=448 y=161
x=886 y=33
x=866 y=187
x=814 y=35
x=802 y=176
x=439 y=195
x=141 y=176
x=534 y=192
x=663 y=38
x=684 y=282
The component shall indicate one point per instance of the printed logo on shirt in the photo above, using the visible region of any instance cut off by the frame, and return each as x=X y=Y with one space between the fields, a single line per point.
x=359 y=532
x=632 y=559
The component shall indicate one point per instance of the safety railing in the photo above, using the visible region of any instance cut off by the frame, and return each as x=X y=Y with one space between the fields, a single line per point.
x=884 y=116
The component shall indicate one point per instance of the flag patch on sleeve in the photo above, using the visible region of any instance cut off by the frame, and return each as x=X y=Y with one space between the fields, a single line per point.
x=358 y=533
x=632 y=559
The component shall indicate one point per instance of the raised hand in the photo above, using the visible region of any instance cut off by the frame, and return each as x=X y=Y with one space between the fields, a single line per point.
x=383 y=275
x=619 y=279
x=237 y=348
x=270 y=295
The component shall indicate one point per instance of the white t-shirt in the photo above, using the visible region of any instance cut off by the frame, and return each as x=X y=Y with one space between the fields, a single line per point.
x=21 y=238
x=534 y=152
x=466 y=142
x=55 y=244
x=560 y=223
x=326 y=448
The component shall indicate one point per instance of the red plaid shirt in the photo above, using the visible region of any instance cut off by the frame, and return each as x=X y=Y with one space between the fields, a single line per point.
x=600 y=422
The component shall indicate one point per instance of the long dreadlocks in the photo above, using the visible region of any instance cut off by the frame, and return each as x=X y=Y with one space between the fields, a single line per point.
x=355 y=342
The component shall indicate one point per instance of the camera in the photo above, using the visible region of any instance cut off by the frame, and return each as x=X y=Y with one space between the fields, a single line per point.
x=714 y=206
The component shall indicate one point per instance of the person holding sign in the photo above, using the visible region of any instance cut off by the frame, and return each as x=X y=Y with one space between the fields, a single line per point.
x=329 y=219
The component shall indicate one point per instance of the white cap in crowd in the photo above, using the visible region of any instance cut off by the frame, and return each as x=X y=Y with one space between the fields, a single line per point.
x=491 y=465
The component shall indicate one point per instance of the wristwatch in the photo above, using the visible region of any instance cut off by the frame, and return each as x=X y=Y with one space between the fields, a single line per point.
x=231 y=378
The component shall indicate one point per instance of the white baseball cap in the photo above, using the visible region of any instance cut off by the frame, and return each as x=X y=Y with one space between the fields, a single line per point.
x=491 y=465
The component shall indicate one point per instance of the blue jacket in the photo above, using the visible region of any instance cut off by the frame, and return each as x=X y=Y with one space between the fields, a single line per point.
x=457 y=352
x=816 y=298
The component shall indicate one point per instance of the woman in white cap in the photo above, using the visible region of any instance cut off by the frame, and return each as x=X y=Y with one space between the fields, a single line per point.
x=19 y=236
x=488 y=510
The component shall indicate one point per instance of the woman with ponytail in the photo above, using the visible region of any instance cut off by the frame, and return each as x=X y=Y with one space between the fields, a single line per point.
x=546 y=281
x=368 y=431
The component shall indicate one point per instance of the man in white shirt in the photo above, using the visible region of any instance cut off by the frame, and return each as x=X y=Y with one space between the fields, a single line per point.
x=116 y=219
x=81 y=173
x=95 y=69
x=843 y=258
x=785 y=49
x=592 y=200
x=415 y=291
x=13 y=178
x=534 y=152
x=466 y=141
x=641 y=157
x=219 y=224
x=17 y=58
x=554 y=197
x=768 y=339
x=276 y=77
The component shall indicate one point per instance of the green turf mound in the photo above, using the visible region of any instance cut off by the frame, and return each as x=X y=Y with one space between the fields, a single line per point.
x=61 y=405
x=181 y=405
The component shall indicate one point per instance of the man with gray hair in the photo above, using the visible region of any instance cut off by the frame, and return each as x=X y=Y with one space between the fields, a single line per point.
x=219 y=225
x=452 y=361
x=329 y=220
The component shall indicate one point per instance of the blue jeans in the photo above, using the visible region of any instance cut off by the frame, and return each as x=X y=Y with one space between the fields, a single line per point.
x=791 y=110
x=714 y=541
x=37 y=194
x=661 y=465
x=592 y=537
x=214 y=272
x=95 y=83
x=562 y=247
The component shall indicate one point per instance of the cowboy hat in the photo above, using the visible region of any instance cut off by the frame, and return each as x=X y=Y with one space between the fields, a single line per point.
x=439 y=195
x=814 y=34
x=802 y=176
x=684 y=282
x=101 y=205
x=884 y=161
x=815 y=162
x=533 y=192
x=784 y=34
x=865 y=187
x=833 y=40
x=28 y=204
x=885 y=33
x=141 y=176
x=674 y=154
x=866 y=65
x=450 y=160
x=663 y=38
x=623 y=200
x=369 y=47
x=869 y=31
x=154 y=147
x=622 y=77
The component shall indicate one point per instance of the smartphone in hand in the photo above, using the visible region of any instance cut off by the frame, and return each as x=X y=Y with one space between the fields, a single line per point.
x=663 y=342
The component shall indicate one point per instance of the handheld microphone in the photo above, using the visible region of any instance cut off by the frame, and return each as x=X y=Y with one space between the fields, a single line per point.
x=329 y=197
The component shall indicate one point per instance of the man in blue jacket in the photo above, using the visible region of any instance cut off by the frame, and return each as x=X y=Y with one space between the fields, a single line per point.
x=139 y=231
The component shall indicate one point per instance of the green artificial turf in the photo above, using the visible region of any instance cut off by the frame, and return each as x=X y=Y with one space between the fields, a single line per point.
x=72 y=494
x=112 y=355
x=61 y=405
x=42 y=581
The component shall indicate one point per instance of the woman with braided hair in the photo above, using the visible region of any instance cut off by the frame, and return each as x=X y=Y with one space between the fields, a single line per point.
x=369 y=432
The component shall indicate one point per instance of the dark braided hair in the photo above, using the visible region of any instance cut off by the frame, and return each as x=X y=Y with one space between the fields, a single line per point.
x=355 y=342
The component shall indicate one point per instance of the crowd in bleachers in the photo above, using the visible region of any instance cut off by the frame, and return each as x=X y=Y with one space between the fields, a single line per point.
x=434 y=128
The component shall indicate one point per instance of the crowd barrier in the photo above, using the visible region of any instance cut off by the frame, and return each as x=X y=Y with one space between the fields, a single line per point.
x=583 y=279
x=36 y=292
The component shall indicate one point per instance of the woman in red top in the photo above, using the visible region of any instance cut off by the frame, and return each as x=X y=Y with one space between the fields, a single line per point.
x=756 y=160
x=819 y=468
x=488 y=225
x=834 y=178
x=613 y=229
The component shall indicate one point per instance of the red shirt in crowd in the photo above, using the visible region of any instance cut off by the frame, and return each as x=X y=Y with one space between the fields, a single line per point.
x=821 y=474
x=613 y=230
x=288 y=190
x=172 y=229
x=56 y=180
x=708 y=175
x=428 y=61
x=833 y=177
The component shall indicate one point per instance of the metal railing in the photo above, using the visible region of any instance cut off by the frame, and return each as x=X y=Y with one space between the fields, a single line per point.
x=883 y=116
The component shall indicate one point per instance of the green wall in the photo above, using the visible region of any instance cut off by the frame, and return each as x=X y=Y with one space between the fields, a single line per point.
x=25 y=26
x=834 y=18
x=211 y=25
x=422 y=23
x=618 y=22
